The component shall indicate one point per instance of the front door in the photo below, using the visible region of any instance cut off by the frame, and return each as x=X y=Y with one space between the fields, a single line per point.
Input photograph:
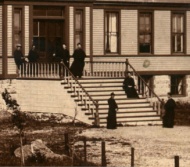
x=47 y=36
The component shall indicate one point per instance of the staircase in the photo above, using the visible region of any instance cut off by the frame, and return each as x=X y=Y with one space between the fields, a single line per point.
x=131 y=111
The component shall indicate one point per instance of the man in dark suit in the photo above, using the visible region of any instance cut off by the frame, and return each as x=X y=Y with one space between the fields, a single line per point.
x=78 y=63
x=168 y=118
x=18 y=56
x=129 y=87
x=113 y=108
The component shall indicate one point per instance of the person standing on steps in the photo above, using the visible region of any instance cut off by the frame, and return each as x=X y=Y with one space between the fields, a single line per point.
x=169 y=116
x=113 y=108
x=78 y=62
x=129 y=87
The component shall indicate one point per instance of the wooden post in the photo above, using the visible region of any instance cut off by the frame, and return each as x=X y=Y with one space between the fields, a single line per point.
x=132 y=157
x=103 y=154
x=97 y=121
x=127 y=67
x=66 y=143
x=176 y=159
x=85 y=155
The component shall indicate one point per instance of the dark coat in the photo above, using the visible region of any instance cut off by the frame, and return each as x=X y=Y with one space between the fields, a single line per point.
x=129 y=87
x=19 y=58
x=111 y=119
x=64 y=55
x=33 y=56
x=168 y=118
x=78 y=63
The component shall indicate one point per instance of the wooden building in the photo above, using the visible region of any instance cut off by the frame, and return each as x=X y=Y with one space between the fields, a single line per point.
x=154 y=35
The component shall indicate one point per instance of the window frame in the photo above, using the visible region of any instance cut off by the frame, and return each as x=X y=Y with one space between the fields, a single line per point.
x=151 y=13
x=21 y=8
x=182 y=79
x=79 y=10
x=184 y=32
x=118 y=32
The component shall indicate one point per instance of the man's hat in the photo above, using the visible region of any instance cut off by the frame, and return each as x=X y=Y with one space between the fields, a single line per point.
x=18 y=45
x=112 y=94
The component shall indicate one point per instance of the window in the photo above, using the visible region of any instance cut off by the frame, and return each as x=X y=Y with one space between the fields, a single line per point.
x=177 y=84
x=178 y=33
x=111 y=32
x=145 y=32
x=17 y=27
x=78 y=26
x=48 y=11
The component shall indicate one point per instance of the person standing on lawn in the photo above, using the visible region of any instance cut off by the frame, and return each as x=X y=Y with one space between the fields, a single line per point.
x=113 y=108
x=168 y=118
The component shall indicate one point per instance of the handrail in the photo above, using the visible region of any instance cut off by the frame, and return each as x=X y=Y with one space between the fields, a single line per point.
x=143 y=80
x=81 y=87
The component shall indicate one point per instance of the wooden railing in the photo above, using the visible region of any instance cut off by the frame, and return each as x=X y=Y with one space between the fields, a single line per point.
x=39 y=70
x=104 y=69
x=92 y=69
x=144 y=89
x=79 y=91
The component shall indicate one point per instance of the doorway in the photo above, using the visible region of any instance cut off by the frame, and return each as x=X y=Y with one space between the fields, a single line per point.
x=48 y=37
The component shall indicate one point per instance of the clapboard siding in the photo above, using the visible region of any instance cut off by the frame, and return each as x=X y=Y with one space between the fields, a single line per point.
x=162 y=31
x=156 y=63
x=188 y=32
x=129 y=32
x=71 y=30
x=87 y=28
x=98 y=32
x=9 y=30
x=26 y=30
x=11 y=66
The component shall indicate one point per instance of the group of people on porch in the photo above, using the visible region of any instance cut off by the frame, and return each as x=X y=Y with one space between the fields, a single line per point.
x=61 y=54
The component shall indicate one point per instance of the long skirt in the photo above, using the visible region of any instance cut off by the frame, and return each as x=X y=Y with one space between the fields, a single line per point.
x=111 y=119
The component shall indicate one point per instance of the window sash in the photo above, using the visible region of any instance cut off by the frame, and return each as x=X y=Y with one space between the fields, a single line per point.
x=111 y=32
x=177 y=85
x=78 y=26
x=178 y=33
x=17 y=28
x=145 y=33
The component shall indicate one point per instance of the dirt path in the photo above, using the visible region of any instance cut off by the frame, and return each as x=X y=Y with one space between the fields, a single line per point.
x=154 y=146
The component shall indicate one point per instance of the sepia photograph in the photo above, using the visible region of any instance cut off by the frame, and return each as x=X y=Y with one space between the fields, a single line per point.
x=95 y=83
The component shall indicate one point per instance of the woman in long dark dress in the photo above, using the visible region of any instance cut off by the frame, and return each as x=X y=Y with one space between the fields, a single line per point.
x=168 y=118
x=78 y=63
x=129 y=87
x=111 y=119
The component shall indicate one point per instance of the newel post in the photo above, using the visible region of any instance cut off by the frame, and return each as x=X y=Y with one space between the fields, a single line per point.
x=126 y=66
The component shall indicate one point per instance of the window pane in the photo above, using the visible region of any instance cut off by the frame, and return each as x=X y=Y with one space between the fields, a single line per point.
x=111 y=32
x=78 y=21
x=178 y=33
x=39 y=12
x=54 y=12
x=42 y=28
x=145 y=33
x=17 y=32
x=78 y=26
x=35 y=28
